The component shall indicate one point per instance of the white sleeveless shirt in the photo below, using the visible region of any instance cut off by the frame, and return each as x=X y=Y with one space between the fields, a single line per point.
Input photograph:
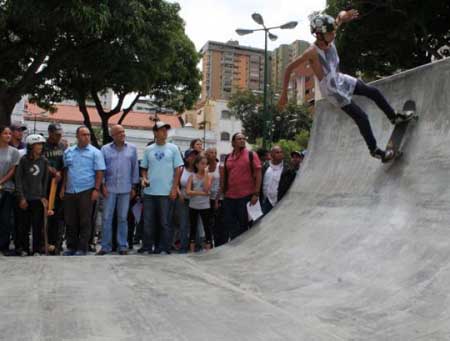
x=337 y=87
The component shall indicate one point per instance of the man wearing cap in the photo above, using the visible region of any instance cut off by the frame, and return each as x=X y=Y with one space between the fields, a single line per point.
x=17 y=130
x=297 y=159
x=54 y=153
x=83 y=176
x=121 y=177
x=161 y=171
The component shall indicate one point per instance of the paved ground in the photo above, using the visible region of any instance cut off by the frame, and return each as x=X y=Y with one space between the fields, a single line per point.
x=357 y=251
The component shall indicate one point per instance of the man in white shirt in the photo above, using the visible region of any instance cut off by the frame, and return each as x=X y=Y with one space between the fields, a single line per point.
x=277 y=178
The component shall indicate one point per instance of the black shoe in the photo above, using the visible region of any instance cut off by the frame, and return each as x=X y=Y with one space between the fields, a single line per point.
x=123 y=252
x=384 y=156
x=101 y=253
x=92 y=248
x=400 y=118
x=143 y=250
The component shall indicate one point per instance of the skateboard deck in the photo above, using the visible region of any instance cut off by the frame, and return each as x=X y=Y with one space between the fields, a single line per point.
x=48 y=211
x=395 y=142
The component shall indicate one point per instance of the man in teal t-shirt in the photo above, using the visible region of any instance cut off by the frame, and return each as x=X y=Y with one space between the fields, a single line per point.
x=161 y=171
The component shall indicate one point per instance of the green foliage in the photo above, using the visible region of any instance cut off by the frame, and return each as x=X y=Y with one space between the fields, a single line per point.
x=34 y=40
x=287 y=123
x=391 y=35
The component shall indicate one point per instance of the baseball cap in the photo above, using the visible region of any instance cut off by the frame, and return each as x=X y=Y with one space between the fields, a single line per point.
x=296 y=152
x=55 y=128
x=161 y=124
x=18 y=126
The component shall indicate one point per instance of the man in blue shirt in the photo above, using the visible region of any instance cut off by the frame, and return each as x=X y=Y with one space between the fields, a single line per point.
x=84 y=166
x=161 y=173
x=122 y=173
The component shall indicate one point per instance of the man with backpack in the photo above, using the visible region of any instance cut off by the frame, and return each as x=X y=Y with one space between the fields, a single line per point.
x=240 y=183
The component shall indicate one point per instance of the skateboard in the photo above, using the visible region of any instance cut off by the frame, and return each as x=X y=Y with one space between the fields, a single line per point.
x=395 y=142
x=49 y=211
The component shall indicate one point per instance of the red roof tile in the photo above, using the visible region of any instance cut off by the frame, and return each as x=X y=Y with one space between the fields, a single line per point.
x=71 y=114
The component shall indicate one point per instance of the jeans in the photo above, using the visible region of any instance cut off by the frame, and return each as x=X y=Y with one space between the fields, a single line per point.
x=157 y=209
x=266 y=206
x=360 y=117
x=122 y=200
x=182 y=212
x=6 y=207
x=235 y=216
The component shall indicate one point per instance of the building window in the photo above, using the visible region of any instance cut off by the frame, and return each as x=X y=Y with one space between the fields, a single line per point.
x=226 y=115
x=225 y=136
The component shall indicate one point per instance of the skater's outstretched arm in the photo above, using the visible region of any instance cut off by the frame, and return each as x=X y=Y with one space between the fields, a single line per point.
x=306 y=56
x=346 y=16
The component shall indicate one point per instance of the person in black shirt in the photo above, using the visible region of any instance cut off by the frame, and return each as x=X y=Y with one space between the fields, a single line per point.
x=54 y=152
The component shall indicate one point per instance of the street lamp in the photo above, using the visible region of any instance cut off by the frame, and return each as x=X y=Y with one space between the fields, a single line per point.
x=260 y=21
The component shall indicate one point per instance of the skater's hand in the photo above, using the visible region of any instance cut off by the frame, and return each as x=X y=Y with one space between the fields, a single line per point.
x=94 y=195
x=23 y=204
x=50 y=213
x=105 y=191
x=349 y=15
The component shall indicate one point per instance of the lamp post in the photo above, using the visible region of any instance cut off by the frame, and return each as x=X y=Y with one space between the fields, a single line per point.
x=268 y=35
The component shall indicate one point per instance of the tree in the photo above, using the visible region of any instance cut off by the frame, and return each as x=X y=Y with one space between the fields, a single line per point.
x=141 y=50
x=286 y=123
x=391 y=35
x=33 y=42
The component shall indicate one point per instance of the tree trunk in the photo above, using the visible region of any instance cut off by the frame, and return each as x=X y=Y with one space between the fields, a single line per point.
x=7 y=104
x=105 y=130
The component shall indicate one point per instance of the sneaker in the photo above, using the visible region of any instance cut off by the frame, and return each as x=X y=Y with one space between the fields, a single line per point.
x=36 y=254
x=101 y=253
x=382 y=155
x=401 y=117
x=80 y=253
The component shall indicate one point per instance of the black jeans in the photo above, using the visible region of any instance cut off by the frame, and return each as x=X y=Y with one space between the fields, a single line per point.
x=205 y=215
x=236 y=216
x=32 y=217
x=6 y=228
x=360 y=117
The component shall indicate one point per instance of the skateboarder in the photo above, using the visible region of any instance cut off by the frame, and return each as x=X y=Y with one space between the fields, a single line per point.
x=339 y=88
x=31 y=188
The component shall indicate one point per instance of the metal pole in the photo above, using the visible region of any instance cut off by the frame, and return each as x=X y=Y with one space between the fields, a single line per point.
x=204 y=134
x=266 y=114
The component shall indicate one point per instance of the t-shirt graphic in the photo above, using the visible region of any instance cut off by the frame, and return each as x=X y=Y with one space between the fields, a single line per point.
x=159 y=155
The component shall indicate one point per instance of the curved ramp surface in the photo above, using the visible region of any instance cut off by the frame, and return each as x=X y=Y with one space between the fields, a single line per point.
x=356 y=251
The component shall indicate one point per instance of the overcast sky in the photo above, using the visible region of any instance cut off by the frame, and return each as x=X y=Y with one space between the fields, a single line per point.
x=218 y=19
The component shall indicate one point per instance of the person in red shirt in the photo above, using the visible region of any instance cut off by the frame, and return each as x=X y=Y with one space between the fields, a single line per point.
x=241 y=183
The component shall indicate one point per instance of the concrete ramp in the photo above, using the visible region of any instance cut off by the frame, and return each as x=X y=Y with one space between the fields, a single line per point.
x=356 y=251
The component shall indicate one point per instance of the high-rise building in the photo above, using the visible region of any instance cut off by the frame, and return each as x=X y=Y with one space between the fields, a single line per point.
x=302 y=83
x=228 y=67
x=281 y=57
